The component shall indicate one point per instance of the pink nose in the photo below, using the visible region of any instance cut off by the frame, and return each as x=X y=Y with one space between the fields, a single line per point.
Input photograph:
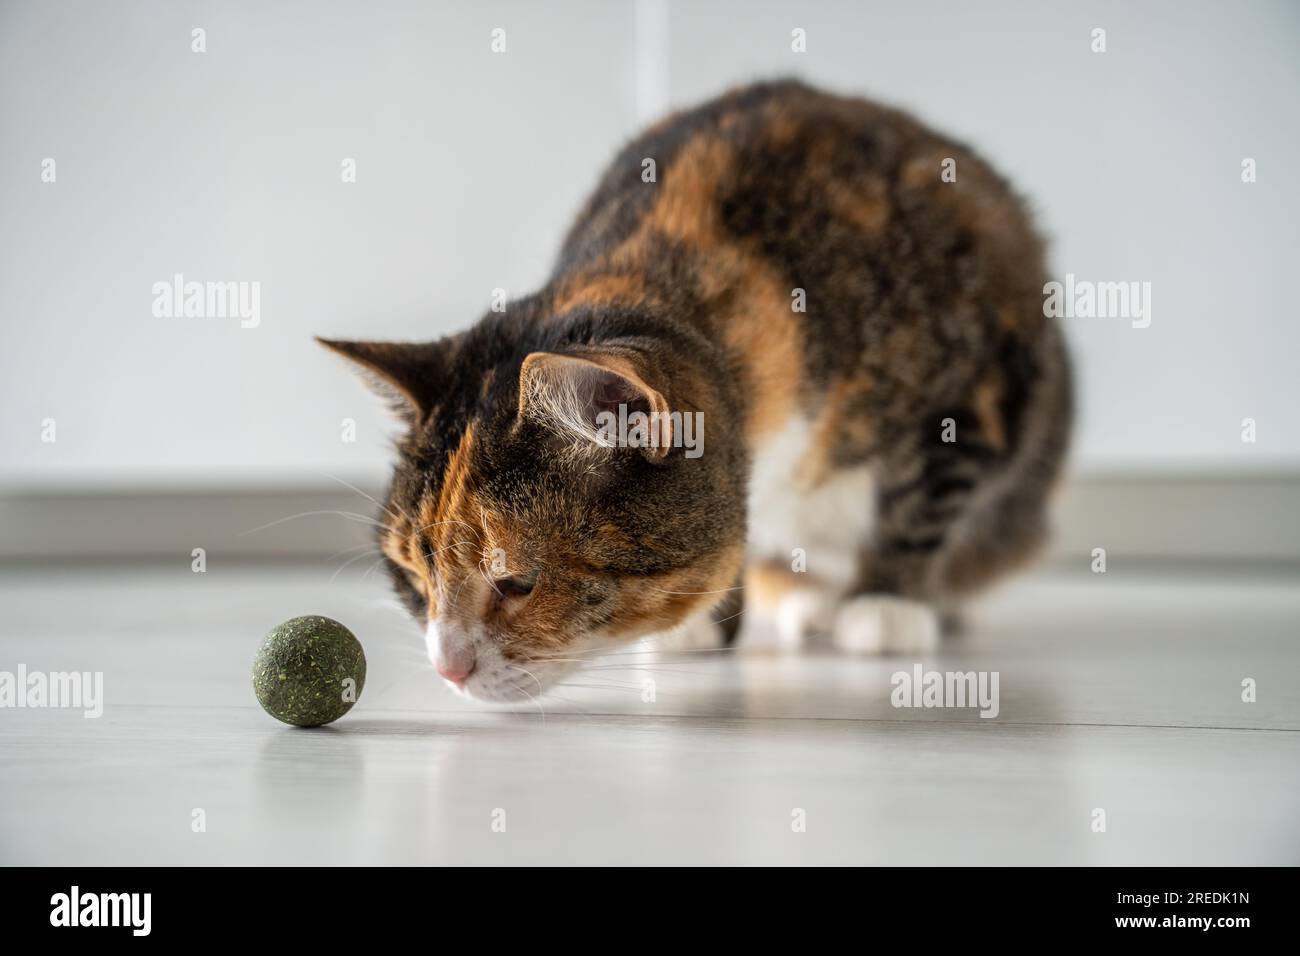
x=456 y=670
x=453 y=655
x=456 y=674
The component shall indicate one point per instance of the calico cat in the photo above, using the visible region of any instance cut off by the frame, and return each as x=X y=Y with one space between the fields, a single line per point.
x=879 y=405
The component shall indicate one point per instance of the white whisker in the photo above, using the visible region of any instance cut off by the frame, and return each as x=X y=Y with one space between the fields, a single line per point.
x=739 y=587
x=349 y=561
x=346 y=484
x=350 y=515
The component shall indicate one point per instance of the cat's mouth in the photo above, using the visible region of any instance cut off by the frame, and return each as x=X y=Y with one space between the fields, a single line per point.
x=473 y=666
x=510 y=683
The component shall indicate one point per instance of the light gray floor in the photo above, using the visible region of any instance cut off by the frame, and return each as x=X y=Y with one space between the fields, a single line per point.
x=1120 y=692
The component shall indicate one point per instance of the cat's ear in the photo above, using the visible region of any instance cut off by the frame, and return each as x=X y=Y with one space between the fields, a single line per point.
x=403 y=374
x=593 y=398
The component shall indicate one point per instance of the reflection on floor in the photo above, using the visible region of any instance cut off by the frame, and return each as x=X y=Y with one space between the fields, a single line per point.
x=1116 y=694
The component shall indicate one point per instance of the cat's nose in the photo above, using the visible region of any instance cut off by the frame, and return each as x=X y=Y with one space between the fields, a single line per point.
x=453 y=656
x=457 y=672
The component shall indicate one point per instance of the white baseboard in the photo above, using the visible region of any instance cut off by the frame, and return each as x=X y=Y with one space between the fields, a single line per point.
x=1152 y=518
x=169 y=524
x=1193 y=518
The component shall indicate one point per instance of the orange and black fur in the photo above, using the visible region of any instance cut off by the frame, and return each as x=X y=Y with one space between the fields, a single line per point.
x=867 y=346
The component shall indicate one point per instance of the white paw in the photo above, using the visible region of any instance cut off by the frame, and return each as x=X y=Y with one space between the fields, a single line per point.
x=881 y=624
x=786 y=625
x=698 y=633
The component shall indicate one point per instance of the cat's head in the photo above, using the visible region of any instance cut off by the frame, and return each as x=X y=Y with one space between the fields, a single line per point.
x=529 y=524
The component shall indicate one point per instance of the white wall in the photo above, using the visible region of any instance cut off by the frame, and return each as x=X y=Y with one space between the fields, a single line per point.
x=226 y=166
x=1132 y=161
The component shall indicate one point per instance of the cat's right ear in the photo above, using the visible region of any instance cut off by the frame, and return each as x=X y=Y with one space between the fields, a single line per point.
x=404 y=374
x=574 y=392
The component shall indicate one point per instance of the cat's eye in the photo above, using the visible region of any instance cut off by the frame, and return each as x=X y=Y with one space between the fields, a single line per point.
x=520 y=585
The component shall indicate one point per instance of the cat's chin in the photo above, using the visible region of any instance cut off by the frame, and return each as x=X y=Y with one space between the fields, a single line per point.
x=504 y=692
x=505 y=688
x=496 y=680
x=500 y=681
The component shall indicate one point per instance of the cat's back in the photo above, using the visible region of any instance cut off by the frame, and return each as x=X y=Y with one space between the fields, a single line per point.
x=770 y=163
x=688 y=156
x=900 y=251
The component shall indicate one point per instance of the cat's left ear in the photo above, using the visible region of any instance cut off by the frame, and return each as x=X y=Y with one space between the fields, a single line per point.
x=592 y=397
x=405 y=374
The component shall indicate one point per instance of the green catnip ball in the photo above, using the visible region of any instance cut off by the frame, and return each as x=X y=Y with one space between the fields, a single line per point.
x=309 y=671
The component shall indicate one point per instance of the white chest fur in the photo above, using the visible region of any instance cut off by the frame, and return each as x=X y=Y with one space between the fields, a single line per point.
x=831 y=521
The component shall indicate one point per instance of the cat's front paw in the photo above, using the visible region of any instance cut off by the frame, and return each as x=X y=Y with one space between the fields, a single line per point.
x=885 y=624
x=788 y=623
x=698 y=633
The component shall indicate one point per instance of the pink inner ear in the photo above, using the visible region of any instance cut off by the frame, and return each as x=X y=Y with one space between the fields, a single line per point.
x=612 y=390
x=575 y=392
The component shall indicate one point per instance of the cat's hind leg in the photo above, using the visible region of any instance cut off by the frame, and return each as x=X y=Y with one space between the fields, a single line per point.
x=959 y=505
x=928 y=489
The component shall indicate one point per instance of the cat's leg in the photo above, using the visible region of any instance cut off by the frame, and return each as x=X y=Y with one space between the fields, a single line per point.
x=885 y=624
x=1006 y=524
x=699 y=632
x=929 y=486
x=713 y=629
x=784 y=608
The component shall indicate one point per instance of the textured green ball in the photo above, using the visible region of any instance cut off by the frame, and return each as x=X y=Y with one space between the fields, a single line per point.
x=309 y=671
